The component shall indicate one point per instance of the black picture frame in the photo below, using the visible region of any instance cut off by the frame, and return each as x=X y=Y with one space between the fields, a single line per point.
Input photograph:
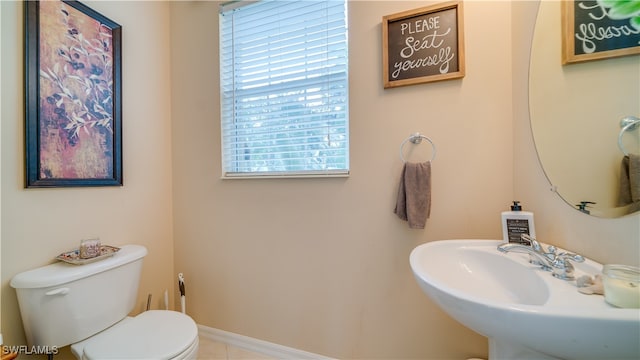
x=73 y=96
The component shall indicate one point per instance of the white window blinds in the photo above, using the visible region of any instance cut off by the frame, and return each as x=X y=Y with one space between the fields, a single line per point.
x=284 y=88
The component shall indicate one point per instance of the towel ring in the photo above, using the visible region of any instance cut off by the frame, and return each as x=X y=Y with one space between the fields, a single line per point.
x=417 y=139
x=627 y=124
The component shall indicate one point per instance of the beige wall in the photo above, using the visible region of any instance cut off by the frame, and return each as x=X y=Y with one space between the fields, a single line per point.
x=316 y=264
x=322 y=264
x=38 y=224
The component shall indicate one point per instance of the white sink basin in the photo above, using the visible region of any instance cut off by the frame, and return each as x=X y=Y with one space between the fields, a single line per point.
x=524 y=311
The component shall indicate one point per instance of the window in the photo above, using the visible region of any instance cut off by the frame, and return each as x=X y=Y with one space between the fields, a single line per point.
x=284 y=88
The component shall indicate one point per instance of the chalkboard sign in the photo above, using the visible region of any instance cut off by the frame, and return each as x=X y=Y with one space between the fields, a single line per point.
x=423 y=45
x=597 y=30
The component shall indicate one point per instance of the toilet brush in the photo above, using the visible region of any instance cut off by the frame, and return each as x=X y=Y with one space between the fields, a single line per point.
x=182 y=292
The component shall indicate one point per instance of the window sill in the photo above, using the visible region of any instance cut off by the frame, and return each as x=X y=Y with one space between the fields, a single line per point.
x=291 y=175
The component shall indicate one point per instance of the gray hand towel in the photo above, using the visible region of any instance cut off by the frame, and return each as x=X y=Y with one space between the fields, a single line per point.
x=414 y=194
x=630 y=182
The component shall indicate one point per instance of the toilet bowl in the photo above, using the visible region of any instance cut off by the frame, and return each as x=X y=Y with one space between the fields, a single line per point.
x=87 y=306
x=154 y=334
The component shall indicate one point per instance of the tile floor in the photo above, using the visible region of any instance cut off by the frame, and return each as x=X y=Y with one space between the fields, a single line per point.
x=212 y=350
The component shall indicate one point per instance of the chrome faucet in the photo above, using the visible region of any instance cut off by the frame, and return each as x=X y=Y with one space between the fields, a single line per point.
x=558 y=263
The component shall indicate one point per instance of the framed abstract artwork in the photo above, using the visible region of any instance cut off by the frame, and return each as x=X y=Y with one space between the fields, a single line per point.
x=73 y=96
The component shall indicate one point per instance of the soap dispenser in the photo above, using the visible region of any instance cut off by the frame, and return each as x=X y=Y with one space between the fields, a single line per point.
x=517 y=222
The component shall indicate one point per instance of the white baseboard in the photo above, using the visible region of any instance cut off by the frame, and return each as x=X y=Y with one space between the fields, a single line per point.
x=256 y=345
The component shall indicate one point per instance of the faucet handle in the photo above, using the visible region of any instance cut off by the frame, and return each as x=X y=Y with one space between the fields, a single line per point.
x=562 y=267
x=531 y=241
x=537 y=246
x=571 y=256
x=539 y=249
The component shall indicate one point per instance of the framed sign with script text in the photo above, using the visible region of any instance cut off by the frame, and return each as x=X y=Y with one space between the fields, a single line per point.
x=593 y=30
x=423 y=45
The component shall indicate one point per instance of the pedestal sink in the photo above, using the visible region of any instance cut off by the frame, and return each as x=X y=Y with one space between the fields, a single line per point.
x=524 y=311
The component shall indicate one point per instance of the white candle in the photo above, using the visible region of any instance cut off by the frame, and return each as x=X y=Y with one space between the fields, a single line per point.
x=621 y=286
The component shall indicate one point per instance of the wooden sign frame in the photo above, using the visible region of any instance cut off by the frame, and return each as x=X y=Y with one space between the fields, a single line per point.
x=600 y=31
x=423 y=45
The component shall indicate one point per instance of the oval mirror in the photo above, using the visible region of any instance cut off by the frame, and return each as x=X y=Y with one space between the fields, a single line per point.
x=576 y=113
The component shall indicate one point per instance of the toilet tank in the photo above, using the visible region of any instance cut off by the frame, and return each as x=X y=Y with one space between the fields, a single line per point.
x=62 y=303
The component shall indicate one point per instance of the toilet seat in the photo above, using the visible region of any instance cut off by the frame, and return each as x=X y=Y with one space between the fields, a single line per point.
x=154 y=334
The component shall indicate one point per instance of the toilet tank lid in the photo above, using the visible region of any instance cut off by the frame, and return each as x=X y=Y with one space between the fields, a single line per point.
x=62 y=273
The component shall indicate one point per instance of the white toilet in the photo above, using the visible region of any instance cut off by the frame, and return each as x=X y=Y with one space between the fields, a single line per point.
x=86 y=306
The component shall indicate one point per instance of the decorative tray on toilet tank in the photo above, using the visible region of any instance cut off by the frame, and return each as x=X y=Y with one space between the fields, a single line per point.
x=73 y=256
